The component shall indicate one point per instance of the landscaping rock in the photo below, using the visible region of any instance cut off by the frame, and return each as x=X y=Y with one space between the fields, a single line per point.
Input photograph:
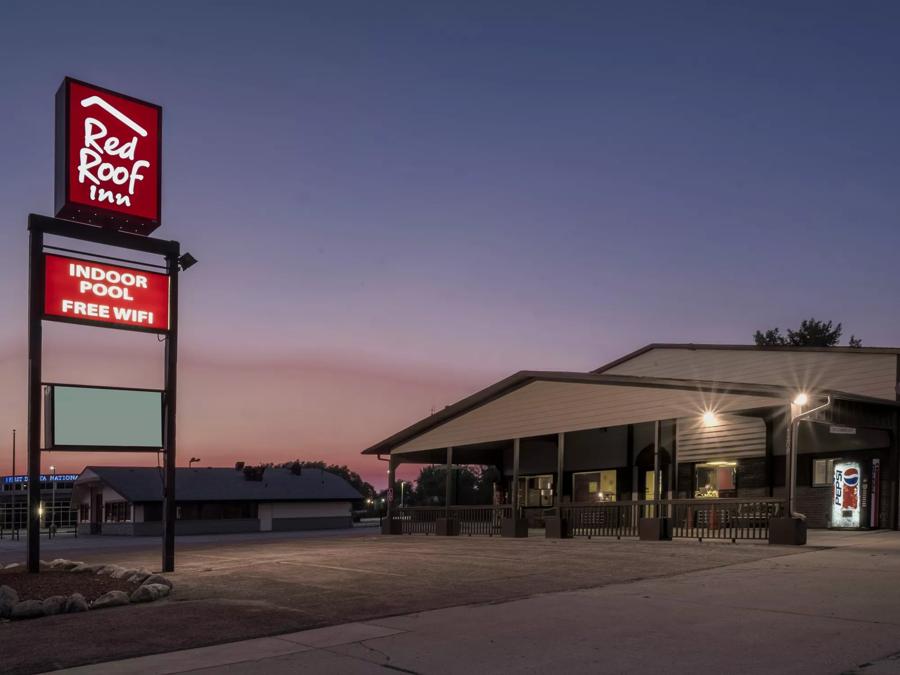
x=63 y=564
x=146 y=593
x=123 y=573
x=150 y=592
x=157 y=579
x=76 y=603
x=111 y=599
x=161 y=589
x=27 y=609
x=109 y=570
x=139 y=577
x=8 y=599
x=12 y=566
x=93 y=569
x=55 y=604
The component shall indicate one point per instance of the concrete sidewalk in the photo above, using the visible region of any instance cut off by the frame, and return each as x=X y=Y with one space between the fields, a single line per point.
x=834 y=610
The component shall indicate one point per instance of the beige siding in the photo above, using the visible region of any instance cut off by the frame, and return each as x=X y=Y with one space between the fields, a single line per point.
x=731 y=437
x=864 y=374
x=551 y=407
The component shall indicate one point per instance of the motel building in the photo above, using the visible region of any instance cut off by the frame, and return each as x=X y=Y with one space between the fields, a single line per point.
x=129 y=500
x=676 y=440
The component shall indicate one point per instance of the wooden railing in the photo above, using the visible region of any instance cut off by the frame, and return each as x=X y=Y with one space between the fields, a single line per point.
x=484 y=520
x=418 y=519
x=609 y=519
x=691 y=518
x=480 y=519
x=723 y=518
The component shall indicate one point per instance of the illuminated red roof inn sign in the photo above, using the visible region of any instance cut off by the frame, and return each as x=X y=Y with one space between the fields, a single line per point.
x=108 y=158
x=84 y=291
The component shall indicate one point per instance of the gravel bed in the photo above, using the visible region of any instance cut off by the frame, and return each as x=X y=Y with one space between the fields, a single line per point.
x=51 y=582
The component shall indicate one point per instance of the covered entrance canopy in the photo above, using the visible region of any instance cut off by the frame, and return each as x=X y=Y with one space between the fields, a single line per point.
x=559 y=437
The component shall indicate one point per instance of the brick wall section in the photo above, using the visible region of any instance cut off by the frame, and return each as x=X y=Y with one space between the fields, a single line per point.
x=815 y=503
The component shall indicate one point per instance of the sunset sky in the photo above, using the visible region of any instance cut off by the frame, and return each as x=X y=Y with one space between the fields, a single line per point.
x=395 y=204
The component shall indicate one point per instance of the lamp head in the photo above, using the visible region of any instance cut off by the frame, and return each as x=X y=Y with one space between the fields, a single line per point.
x=186 y=261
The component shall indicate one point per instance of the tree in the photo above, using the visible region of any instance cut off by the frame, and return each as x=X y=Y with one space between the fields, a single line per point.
x=342 y=470
x=771 y=338
x=811 y=333
x=474 y=485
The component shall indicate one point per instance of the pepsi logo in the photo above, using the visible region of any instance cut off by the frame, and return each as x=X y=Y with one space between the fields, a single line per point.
x=851 y=477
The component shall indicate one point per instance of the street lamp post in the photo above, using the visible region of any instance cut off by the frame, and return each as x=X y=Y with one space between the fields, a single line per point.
x=797 y=416
x=53 y=502
x=791 y=527
x=14 y=487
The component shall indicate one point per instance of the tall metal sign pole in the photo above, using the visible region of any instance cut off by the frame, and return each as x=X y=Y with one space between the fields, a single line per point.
x=171 y=381
x=108 y=156
x=33 y=434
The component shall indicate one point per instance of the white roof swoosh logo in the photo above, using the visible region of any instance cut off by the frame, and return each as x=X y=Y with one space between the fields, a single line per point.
x=96 y=100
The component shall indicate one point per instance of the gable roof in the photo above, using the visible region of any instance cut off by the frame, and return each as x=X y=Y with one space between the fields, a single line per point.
x=144 y=484
x=525 y=377
x=753 y=348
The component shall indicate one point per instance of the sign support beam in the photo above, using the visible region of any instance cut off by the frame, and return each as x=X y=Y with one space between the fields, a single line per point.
x=171 y=378
x=35 y=340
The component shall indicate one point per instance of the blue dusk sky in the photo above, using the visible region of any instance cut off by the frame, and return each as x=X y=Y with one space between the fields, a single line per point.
x=396 y=203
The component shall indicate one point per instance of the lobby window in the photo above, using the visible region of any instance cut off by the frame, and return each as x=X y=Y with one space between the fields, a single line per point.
x=823 y=472
x=594 y=487
x=84 y=513
x=715 y=480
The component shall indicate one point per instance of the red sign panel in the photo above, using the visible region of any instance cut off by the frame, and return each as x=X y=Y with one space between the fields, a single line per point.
x=84 y=291
x=108 y=158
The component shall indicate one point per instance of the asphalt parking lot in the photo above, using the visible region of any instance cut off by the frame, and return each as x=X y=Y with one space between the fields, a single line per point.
x=233 y=588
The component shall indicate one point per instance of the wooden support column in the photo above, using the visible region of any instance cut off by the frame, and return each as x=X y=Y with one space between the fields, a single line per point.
x=448 y=487
x=392 y=471
x=672 y=472
x=560 y=462
x=631 y=465
x=657 y=437
x=515 y=479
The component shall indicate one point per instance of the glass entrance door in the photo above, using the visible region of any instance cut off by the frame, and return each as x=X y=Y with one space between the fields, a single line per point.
x=536 y=491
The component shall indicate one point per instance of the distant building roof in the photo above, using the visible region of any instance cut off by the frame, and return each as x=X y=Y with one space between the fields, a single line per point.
x=754 y=348
x=145 y=484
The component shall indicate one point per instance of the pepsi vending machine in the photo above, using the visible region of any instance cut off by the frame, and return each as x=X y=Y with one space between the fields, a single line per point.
x=854 y=495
